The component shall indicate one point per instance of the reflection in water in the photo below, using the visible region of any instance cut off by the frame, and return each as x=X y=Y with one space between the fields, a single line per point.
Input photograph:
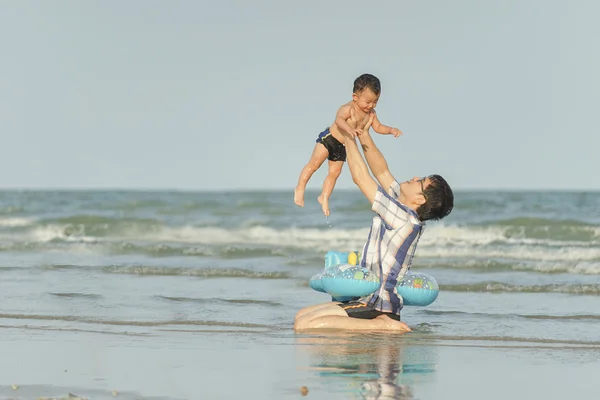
x=368 y=366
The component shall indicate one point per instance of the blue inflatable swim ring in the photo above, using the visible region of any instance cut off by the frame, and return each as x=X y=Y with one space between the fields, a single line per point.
x=418 y=289
x=345 y=280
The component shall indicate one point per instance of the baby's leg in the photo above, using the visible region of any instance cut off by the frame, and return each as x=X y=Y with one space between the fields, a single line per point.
x=319 y=155
x=335 y=169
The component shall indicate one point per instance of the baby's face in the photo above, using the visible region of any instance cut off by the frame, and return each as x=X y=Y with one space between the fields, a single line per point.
x=366 y=100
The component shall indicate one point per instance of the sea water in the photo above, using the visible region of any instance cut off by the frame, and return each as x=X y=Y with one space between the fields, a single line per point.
x=184 y=294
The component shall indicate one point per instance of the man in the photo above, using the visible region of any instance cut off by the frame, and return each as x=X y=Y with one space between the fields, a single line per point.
x=401 y=210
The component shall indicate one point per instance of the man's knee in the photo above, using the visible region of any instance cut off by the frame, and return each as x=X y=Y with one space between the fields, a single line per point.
x=299 y=324
x=301 y=319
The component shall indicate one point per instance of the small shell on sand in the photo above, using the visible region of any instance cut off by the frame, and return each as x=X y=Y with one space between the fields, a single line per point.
x=15 y=387
x=303 y=390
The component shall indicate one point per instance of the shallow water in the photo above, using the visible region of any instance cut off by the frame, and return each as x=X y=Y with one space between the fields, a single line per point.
x=217 y=364
x=204 y=286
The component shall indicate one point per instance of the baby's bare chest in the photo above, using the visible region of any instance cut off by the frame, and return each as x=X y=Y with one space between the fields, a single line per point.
x=361 y=118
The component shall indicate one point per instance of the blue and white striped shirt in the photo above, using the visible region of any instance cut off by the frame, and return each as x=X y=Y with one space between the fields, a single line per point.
x=390 y=248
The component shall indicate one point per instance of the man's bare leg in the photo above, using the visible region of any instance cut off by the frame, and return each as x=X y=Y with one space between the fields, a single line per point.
x=319 y=155
x=335 y=169
x=380 y=323
x=332 y=316
x=312 y=308
x=303 y=319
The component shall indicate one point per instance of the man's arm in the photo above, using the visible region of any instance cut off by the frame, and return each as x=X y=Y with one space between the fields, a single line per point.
x=375 y=159
x=358 y=168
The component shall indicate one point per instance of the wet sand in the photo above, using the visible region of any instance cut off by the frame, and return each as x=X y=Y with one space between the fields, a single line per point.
x=209 y=364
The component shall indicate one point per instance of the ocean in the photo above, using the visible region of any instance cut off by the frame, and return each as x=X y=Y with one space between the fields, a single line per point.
x=192 y=295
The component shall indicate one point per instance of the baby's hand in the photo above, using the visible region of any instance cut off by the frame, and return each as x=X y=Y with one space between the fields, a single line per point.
x=396 y=132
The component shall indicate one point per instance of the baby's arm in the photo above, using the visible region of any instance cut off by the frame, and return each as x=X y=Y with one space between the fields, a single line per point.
x=384 y=129
x=340 y=120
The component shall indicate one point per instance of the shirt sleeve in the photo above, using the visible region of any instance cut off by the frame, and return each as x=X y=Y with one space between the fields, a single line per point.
x=387 y=206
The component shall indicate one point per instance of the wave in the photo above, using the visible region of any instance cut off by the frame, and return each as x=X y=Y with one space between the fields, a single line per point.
x=254 y=235
x=578 y=317
x=196 y=272
x=553 y=265
x=8 y=210
x=512 y=234
x=213 y=300
x=511 y=231
x=146 y=270
x=456 y=246
x=495 y=287
x=77 y=295
x=89 y=320
x=532 y=221
x=12 y=222
x=72 y=330
x=503 y=341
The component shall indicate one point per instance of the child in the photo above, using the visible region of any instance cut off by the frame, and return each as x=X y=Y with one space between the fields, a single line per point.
x=330 y=143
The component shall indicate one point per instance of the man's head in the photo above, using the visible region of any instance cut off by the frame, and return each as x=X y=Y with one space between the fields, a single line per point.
x=366 y=92
x=431 y=197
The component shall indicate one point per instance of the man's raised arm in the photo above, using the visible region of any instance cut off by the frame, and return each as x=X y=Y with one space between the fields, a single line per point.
x=359 y=170
x=375 y=159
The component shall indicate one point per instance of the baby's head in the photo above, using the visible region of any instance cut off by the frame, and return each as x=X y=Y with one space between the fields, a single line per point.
x=366 y=91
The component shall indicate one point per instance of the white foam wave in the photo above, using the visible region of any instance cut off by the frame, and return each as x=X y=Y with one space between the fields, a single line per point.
x=547 y=266
x=13 y=222
x=45 y=234
x=515 y=252
x=479 y=236
x=456 y=235
x=438 y=236
x=579 y=267
x=341 y=239
x=439 y=241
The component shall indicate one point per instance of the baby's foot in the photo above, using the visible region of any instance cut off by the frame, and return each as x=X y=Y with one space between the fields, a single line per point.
x=324 y=202
x=299 y=197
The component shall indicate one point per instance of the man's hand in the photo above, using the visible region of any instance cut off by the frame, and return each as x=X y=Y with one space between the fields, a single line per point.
x=356 y=163
x=356 y=132
x=375 y=159
x=361 y=126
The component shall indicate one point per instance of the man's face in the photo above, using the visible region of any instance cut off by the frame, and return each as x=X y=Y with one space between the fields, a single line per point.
x=414 y=189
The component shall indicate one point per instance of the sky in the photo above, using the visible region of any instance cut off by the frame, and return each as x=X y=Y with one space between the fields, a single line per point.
x=207 y=95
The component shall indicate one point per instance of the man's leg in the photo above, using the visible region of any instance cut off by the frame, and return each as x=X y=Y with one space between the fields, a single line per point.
x=380 y=323
x=333 y=316
x=315 y=307
x=303 y=319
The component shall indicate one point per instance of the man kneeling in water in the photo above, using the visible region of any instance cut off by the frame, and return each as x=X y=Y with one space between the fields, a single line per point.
x=401 y=210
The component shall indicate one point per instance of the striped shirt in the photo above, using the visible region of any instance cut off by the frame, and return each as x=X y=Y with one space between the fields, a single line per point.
x=390 y=247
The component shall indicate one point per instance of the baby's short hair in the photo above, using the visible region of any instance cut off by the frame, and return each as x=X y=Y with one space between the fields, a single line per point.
x=367 y=81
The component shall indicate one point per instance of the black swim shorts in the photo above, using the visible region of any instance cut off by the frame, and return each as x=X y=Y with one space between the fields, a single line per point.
x=337 y=151
x=356 y=309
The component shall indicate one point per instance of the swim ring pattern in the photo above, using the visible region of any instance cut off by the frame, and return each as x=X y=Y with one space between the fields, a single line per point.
x=345 y=280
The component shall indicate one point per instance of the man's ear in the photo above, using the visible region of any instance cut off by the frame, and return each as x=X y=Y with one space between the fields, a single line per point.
x=420 y=199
